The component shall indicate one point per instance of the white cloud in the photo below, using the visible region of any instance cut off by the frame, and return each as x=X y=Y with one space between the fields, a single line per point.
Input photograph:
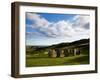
x=77 y=27
x=38 y=21
x=80 y=21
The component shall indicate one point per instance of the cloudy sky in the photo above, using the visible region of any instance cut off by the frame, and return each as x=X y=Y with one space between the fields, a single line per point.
x=48 y=29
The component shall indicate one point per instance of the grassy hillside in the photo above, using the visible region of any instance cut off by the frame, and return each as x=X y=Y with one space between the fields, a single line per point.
x=38 y=56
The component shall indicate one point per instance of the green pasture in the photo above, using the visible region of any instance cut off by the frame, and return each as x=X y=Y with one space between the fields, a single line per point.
x=41 y=58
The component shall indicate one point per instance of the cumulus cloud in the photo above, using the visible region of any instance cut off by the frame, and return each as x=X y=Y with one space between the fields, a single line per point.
x=78 y=26
x=38 y=21
x=80 y=21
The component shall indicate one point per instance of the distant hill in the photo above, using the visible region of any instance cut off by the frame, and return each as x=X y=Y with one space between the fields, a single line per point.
x=75 y=43
x=78 y=43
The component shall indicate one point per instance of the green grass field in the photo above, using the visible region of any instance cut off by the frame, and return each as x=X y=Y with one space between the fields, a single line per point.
x=42 y=59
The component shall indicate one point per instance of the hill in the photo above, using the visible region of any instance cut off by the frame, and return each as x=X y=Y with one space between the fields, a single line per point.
x=78 y=43
x=75 y=43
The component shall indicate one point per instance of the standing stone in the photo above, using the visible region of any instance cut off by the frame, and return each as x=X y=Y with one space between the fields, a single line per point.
x=49 y=52
x=76 y=51
x=66 y=52
x=58 y=51
x=69 y=51
x=52 y=53
x=72 y=52
x=62 y=53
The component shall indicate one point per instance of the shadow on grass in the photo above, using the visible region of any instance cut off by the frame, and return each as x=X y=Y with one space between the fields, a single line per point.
x=36 y=57
x=79 y=60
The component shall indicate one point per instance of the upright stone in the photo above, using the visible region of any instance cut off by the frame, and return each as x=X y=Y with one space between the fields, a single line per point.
x=54 y=54
x=66 y=52
x=58 y=51
x=62 y=53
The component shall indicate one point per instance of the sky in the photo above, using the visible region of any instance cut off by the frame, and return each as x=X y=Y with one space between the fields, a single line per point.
x=51 y=28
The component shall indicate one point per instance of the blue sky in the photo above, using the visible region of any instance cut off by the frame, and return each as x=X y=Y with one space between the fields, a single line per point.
x=56 y=17
x=49 y=29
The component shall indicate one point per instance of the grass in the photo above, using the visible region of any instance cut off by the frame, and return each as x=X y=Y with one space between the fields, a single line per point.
x=33 y=60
